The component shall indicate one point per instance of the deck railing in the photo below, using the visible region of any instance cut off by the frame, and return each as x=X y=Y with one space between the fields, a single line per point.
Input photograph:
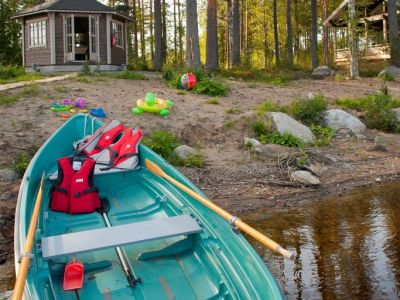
x=375 y=52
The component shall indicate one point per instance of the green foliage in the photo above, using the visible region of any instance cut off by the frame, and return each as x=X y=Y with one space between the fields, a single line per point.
x=10 y=32
x=6 y=99
x=387 y=77
x=286 y=139
x=12 y=73
x=273 y=76
x=308 y=111
x=376 y=109
x=30 y=90
x=164 y=143
x=213 y=101
x=61 y=89
x=85 y=69
x=229 y=124
x=21 y=163
x=268 y=105
x=322 y=134
x=260 y=128
x=232 y=110
x=210 y=87
x=127 y=75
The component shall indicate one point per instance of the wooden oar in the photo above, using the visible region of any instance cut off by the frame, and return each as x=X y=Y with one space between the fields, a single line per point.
x=152 y=167
x=26 y=255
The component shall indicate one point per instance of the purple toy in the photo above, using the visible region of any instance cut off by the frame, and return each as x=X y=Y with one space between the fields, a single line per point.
x=80 y=102
x=66 y=101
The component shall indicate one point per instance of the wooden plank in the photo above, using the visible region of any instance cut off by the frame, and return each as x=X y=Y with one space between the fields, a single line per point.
x=110 y=237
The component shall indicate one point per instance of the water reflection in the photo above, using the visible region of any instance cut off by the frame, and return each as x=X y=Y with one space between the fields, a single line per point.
x=347 y=248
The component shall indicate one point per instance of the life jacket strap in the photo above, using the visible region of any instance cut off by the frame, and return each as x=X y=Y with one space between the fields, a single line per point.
x=87 y=191
x=59 y=189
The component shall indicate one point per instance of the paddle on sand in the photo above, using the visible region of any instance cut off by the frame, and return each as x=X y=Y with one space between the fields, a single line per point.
x=152 y=167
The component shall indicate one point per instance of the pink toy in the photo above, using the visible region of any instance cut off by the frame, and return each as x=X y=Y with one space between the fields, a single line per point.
x=80 y=102
x=66 y=101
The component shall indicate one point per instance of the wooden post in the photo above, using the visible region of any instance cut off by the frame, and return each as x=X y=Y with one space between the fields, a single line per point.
x=52 y=38
x=334 y=44
x=108 y=36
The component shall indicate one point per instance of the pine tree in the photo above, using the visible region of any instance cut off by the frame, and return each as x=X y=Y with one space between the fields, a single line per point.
x=354 y=69
x=212 y=37
x=192 y=35
x=235 y=57
x=289 y=39
x=393 y=33
x=276 y=36
x=158 y=59
x=314 y=34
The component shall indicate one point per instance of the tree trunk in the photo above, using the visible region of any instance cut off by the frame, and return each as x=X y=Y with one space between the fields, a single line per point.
x=135 y=31
x=325 y=32
x=235 y=33
x=289 y=39
x=212 y=36
x=353 y=44
x=192 y=35
x=164 y=30
x=142 y=33
x=157 y=35
x=151 y=32
x=314 y=35
x=175 y=35
x=276 y=37
x=296 y=30
x=265 y=30
x=229 y=29
x=180 y=32
x=393 y=33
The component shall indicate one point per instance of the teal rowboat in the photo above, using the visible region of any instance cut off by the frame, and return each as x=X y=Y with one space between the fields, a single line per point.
x=179 y=248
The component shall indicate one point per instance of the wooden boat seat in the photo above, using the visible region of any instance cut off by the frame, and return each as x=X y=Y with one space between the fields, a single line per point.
x=110 y=237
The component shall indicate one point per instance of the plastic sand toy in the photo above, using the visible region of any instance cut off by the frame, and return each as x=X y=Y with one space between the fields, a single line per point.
x=152 y=104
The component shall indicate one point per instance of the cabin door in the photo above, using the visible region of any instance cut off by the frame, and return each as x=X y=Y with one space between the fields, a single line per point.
x=69 y=31
x=93 y=38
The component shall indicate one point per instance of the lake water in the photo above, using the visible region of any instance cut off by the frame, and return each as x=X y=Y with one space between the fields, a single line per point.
x=346 y=248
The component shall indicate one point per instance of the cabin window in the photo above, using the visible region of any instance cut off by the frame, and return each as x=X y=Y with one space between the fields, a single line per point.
x=118 y=33
x=37 y=34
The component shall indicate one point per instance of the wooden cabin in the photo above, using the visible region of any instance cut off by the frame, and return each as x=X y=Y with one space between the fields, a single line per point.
x=61 y=35
x=373 y=18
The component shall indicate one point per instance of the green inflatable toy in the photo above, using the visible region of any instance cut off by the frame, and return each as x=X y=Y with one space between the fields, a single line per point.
x=152 y=104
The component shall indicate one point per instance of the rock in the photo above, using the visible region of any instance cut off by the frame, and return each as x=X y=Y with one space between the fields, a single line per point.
x=305 y=178
x=390 y=70
x=378 y=148
x=343 y=133
x=6 y=196
x=285 y=124
x=316 y=168
x=378 y=179
x=272 y=150
x=252 y=142
x=8 y=175
x=322 y=72
x=360 y=136
x=6 y=295
x=337 y=119
x=396 y=113
x=184 y=151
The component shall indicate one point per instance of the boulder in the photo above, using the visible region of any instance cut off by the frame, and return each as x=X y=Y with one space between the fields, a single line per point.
x=184 y=151
x=396 y=113
x=338 y=119
x=8 y=175
x=272 y=150
x=305 y=178
x=253 y=142
x=285 y=124
x=322 y=72
x=390 y=70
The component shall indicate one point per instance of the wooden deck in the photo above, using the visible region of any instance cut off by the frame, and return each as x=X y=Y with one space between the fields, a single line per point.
x=376 y=52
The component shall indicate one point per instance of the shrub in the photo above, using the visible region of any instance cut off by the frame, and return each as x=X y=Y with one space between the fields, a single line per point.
x=268 y=105
x=322 y=134
x=286 y=139
x=387 y=77
x=162 y=142
x=193 y=160
x=308 y=111
x=10 y=71
x=21 y=163
x=85 y=69
x=260 y=128
x=210 y=87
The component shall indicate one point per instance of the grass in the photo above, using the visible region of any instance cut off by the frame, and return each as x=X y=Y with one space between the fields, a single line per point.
x=20 y=163
x=285 y=139
x=308 y=111
x=229 y=124
x=12 y=73
x=323 y=135
x=128 y=75
x=213 y=101
x=387 y=77
x=30 y=90
x=164 y=143
x=233 y=110
x=6 y=99
x=61 y=89
x=268 y=105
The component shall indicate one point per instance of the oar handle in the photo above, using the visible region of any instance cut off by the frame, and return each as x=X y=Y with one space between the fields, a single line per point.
x=26 y=256
x=223 y=213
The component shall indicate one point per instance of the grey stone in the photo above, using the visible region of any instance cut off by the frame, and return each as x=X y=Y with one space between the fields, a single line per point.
x=360 y=136
x=337 y=119
x=252 y=142
x=184 y=151
x=322 y=72
x=378 y=148
x=396 y=113
x=6 y=295
x=316 y=168
x=391 y=70
x=6 y=196
x=8 y=175
x=272 y=150
x=285 y=124
x=305 y=178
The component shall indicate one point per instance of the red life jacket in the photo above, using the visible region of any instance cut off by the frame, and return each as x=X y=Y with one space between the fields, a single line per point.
x=74 y=191
x=103 y=137
x=127 y=156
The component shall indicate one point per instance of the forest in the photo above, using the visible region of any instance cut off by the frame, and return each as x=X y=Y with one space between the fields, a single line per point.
x=221 y=35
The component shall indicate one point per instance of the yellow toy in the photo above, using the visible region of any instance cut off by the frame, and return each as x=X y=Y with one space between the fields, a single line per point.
x=152 y=104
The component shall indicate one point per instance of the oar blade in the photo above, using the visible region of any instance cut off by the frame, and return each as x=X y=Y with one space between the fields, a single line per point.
x=153 y=168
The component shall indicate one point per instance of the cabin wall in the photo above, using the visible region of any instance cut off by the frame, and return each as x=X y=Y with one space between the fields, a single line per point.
x=103 y=39
x=118 y=55
x=37 y=55
x=59 y=24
